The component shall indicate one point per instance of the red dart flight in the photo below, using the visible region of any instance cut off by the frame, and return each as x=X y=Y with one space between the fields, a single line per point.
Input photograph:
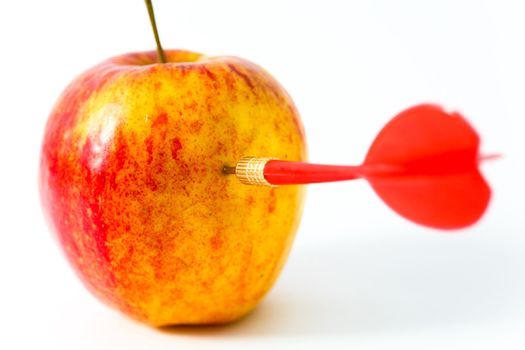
x=423 y=164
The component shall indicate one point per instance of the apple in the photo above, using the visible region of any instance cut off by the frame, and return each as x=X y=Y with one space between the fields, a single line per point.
x=131 y=183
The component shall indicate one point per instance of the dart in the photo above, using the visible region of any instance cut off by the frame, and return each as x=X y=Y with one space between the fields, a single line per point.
x=424 y=164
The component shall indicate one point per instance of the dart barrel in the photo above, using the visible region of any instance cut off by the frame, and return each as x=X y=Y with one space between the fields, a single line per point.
x=250 y=171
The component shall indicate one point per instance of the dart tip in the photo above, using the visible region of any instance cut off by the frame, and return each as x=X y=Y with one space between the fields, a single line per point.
x=228 y=170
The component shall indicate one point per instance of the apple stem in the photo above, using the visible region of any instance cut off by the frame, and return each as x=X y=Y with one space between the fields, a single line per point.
x=160 y=50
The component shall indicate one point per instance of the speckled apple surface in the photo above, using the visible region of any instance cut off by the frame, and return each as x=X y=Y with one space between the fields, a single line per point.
x=131 y=184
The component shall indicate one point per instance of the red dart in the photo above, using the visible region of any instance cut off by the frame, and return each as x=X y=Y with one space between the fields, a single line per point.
x=423 y=165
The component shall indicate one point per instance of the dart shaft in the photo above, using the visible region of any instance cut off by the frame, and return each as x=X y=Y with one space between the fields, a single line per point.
x=279 y=172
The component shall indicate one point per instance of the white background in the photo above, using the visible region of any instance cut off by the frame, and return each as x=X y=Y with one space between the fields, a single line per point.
x=358 y=276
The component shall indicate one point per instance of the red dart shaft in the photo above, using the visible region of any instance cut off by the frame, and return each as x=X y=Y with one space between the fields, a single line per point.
x=280 y=172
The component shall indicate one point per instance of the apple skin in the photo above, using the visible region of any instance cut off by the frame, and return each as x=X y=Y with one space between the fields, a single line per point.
x=131 y=184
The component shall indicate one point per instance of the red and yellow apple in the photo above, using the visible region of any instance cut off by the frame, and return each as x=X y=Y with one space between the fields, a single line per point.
x=131 y=182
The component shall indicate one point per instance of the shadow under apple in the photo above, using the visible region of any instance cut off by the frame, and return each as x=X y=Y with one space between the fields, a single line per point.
x=381 y=285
